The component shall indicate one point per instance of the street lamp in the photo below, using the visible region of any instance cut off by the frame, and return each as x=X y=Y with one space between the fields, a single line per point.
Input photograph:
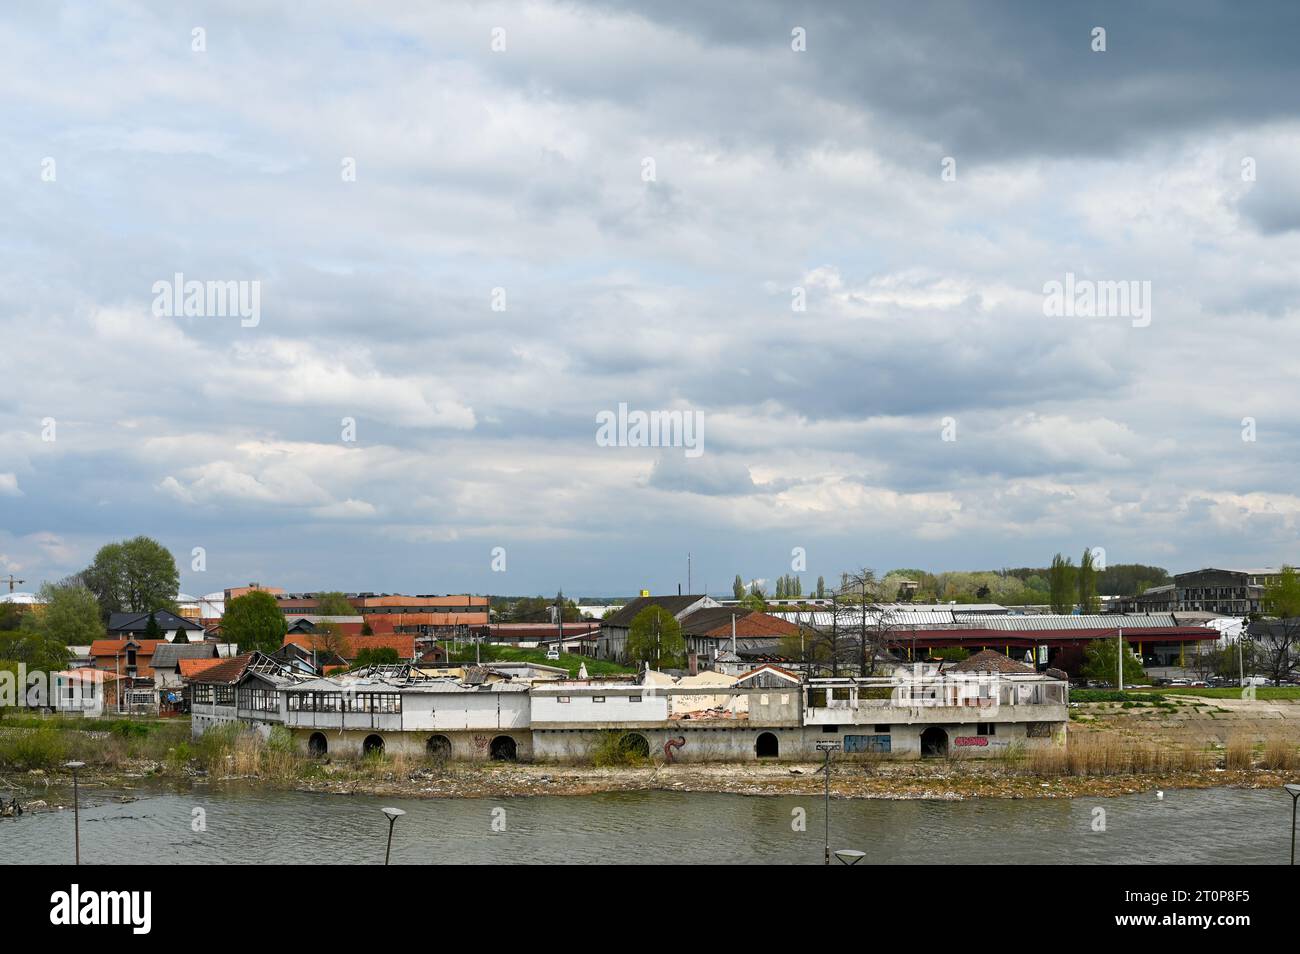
x=1293 y=790
x=393 y=814
x=828 y=746
x=850 y=856
x=76 y=809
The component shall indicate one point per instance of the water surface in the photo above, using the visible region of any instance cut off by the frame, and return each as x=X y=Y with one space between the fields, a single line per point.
x=1208 y=826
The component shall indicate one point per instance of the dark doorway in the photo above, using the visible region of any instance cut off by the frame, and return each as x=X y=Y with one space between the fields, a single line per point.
x=438 y=747
x=767 y=746
x=373 y=745
x=503 y=749
x=317 y=746
x=634 y=745
x=934 y=742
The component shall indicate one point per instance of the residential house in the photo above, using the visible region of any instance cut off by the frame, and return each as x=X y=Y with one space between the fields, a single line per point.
x=136 y=625
x=614 y=627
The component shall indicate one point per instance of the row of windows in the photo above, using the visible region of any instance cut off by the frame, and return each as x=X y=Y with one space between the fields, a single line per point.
x=381 y=702
x=260 y=700
x=205 y=693
x=564 y=699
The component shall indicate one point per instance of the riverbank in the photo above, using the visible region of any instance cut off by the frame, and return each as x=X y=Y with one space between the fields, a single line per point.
x=949 y=782
x=1115 y=748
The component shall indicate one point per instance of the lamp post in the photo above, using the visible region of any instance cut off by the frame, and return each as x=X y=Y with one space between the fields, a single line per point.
x=393 y=814
x=1293 y=789
x=76 y=809
x=828 y=746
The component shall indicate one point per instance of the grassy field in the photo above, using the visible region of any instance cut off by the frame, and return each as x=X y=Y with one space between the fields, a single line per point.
x=1265 y=693
x=569 y=661
x=34 y=742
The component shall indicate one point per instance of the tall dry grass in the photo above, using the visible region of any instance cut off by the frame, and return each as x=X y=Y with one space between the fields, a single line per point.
x=1089 y=757
x=1239 y=755
x=1280 y=755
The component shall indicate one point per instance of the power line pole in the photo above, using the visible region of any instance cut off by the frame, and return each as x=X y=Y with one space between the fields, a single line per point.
x=1119 y=656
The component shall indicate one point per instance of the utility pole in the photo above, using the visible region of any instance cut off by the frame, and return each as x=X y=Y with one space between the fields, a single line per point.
x=688 y=572
x=1119 y=656
x=828 y=746
x=559 y=619
x=1241 y=666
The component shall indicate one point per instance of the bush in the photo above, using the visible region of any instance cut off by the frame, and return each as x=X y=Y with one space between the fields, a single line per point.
x=43 y=748
x=614 y=748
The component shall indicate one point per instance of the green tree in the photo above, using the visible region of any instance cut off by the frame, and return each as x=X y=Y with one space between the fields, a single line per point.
x=336 y=604
x=1060 y=584
x=134 y=576
x=1282 y=596
x=11 y=617
x=821 y=587
x=254 y=621
x=655 y=639
x=151 y=629
x=1087 y=582
x=1099 y=662
x=738 y=588
x=376 y=656
x=69 y=615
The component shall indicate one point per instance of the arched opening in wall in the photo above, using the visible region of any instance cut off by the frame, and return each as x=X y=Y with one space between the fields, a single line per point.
x=317 y=745
x=503 y=749
x=934 y=742
x=373 y=745
x=438 y=748
x=767 y=746
x=634 y=745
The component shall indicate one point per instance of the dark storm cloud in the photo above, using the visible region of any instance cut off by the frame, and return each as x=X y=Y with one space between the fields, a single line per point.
x=993 y=81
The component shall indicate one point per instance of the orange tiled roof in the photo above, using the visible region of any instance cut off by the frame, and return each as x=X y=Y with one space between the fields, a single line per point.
x=192 y=667
x=225 y=670
x=117 y=647
x=403 y=643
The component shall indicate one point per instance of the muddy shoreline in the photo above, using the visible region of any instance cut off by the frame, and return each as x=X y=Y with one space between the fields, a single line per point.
x=891 y=781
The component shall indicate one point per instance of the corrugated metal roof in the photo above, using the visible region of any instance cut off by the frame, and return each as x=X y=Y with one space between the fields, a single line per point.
x=1011 y=624
x=1100 y=621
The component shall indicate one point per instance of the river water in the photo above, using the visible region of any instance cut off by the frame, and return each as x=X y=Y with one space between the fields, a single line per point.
x=1208 y=826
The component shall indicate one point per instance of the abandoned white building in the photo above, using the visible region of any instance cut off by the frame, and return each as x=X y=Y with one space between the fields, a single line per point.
x=982 y=709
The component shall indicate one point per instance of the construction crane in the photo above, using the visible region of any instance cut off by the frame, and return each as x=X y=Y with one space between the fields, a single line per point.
x=12 y=582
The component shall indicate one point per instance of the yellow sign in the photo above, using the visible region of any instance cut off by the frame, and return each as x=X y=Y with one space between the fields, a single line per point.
x=645 y=592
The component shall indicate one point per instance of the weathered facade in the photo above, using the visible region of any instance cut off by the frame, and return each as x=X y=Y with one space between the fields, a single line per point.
x=770 y=713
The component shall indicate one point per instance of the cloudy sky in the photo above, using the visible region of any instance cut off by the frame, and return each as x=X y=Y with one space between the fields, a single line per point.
x=644 y=191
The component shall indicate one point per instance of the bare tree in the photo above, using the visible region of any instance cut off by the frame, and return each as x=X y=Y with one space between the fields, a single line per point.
x=876 y=620
x=1277 y=648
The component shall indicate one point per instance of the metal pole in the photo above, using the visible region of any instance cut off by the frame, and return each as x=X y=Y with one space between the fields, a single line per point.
x=389 y=850
x=76 y=809
x=1119 y=656
x=1295 y=797
x=77 y=823
x=827 y=770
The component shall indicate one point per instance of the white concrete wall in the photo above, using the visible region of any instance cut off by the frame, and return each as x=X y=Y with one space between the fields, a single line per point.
x=449 y=711
x=617 y=707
